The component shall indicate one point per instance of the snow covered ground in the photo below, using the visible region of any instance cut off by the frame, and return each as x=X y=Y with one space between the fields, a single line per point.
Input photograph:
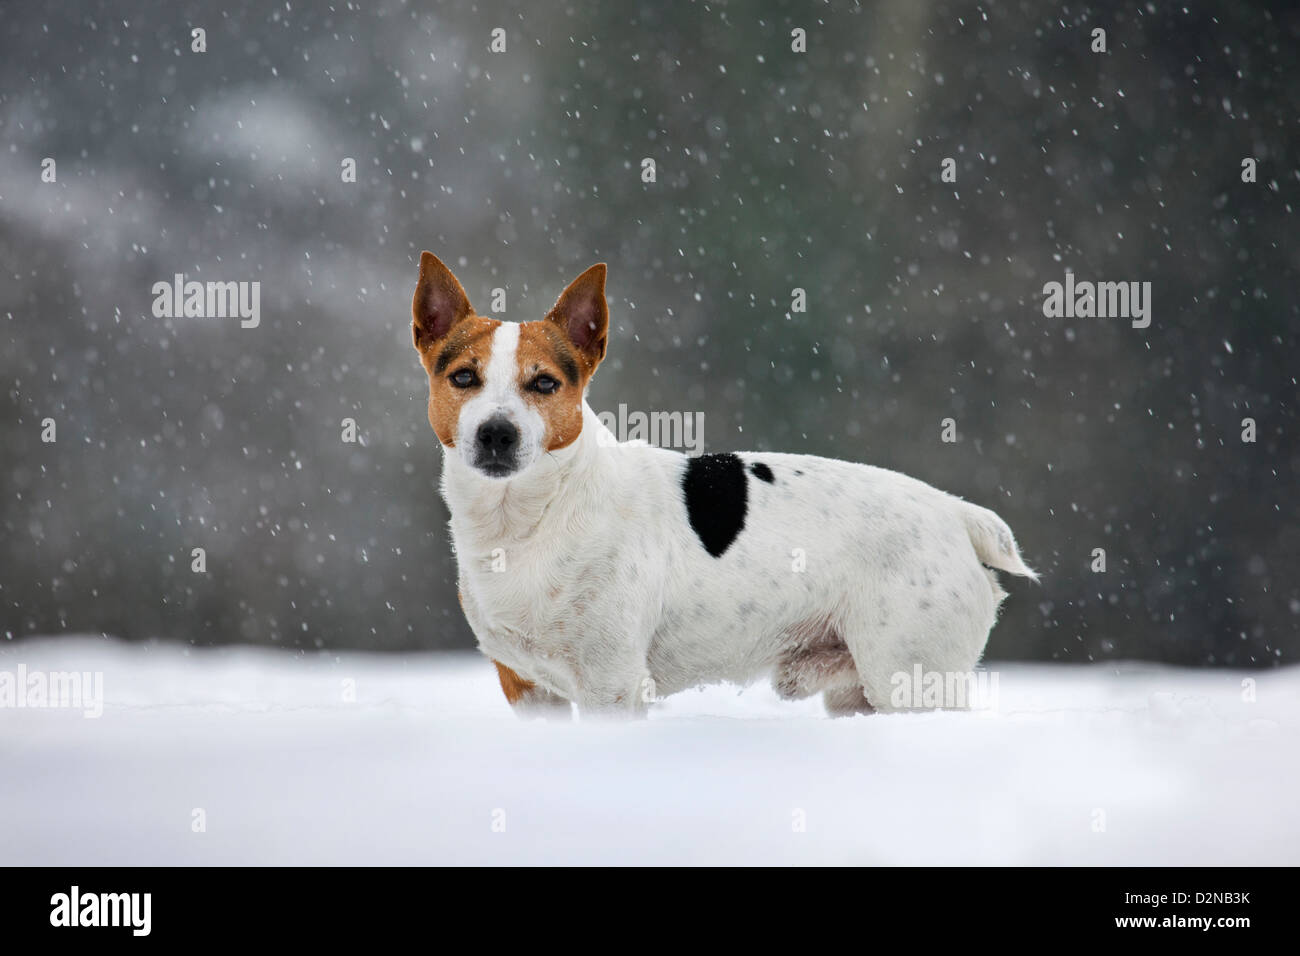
x=1096 y=765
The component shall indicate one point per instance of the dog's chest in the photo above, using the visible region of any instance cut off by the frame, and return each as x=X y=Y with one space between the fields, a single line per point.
x=532 y=607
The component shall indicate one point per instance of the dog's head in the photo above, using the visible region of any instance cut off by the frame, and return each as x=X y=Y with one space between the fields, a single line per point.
x=502 y=394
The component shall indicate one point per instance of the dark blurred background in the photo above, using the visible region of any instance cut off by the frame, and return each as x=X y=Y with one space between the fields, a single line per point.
x=775 y=170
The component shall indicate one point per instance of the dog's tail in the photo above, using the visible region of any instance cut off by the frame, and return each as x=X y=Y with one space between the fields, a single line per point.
x=994 y=543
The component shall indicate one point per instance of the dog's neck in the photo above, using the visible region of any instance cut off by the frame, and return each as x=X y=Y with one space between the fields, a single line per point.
x=486 y=511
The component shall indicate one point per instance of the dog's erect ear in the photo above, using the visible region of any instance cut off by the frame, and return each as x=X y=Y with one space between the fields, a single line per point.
x=583 y=315
x=439 y=302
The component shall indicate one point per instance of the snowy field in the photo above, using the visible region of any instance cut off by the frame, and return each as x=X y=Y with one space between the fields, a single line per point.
x=1097 y=765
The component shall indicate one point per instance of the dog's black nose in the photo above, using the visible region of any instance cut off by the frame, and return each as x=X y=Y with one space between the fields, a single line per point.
x=498 y=437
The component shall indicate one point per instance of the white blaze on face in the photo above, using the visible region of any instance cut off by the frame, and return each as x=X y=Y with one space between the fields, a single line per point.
x=500 y=396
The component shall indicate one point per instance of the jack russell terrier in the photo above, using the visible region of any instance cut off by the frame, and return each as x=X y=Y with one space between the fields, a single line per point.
x=608 y=573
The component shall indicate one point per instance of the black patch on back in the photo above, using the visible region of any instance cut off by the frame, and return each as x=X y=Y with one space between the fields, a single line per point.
x=716 y=492
x=762 y=472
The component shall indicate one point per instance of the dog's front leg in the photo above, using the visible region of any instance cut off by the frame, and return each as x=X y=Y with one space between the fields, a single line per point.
x=530 y=699
x=621 y=697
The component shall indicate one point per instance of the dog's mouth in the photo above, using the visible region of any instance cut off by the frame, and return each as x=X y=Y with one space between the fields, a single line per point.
x=496 y=469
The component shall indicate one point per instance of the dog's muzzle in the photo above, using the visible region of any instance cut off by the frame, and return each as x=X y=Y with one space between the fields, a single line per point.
x=496 y=447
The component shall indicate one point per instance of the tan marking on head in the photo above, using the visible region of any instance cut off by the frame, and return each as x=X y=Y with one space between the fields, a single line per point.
x=567 y=345
x=543 y=350
x=449 y=336
x=468 y=346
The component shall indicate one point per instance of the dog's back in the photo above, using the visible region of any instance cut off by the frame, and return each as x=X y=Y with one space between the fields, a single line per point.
x=829 y=574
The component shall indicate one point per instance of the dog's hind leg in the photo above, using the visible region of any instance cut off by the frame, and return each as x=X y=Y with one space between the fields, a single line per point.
x=915 y=639
x=530 y=700
x=847 y=701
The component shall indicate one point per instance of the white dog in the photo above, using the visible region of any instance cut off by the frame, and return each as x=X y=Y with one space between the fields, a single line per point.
x=607 y=574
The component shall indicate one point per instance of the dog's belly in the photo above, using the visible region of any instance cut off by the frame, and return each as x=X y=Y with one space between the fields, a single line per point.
x=704 y=642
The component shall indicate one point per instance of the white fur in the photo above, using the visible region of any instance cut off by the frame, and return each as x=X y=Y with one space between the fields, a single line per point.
x=582 y=573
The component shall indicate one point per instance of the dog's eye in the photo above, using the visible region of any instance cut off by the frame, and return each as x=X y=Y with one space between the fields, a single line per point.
x=464 y=378
x=544 y=384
